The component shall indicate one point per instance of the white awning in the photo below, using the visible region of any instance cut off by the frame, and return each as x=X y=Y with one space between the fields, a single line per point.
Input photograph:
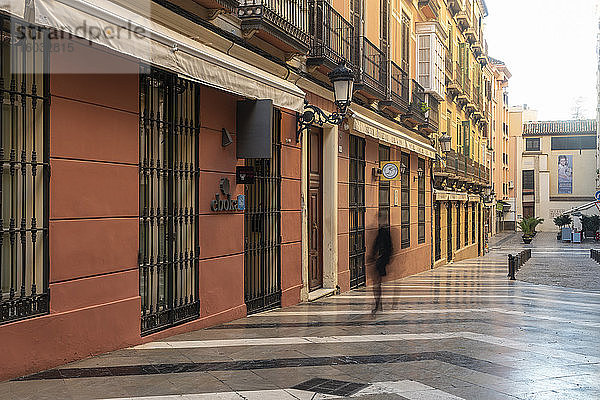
x=391 y=135
x=105 y=23
x=13 y=7
x=445 y=195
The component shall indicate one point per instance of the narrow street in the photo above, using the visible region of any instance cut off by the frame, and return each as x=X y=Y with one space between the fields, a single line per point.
x=461 y=331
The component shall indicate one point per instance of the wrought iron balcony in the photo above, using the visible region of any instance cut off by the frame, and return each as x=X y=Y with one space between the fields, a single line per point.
x=228 y=5
x=432 y=116
x=416 y=115
x=371 y=79
x=471 y=35
x=398 y=95
x=454 y=6
x=430 y=8
x=283 y=24
x=332 y=36
x=449 y=67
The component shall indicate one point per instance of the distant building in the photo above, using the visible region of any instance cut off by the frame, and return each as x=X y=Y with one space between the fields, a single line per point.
x=556 y=163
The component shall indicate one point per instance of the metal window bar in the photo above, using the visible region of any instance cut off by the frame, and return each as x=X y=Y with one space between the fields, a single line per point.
x=474 y=224
x=332 y=34
x=466 y=224
x=262 y=229
x=418 y=99
x=458 y=245
x=169 y=252
x=449 y=232
x=421 y=202
x=405 y=203
x=357 y=211
x=24 y=179
x=438 y=231
x=399 y=89
x=374 y=66
x=283 y=12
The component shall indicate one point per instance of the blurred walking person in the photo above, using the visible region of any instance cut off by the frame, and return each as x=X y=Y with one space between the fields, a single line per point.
x=381 y=253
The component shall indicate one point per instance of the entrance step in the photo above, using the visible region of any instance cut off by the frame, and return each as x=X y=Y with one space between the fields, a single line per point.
x=320 y=293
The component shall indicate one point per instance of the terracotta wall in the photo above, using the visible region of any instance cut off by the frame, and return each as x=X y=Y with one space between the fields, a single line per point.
x=409 y=261
x=291 y=214
x=94 y=185
x=94 y=303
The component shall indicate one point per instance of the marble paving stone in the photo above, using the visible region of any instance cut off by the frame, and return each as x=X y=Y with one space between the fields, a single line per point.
x=461 y=331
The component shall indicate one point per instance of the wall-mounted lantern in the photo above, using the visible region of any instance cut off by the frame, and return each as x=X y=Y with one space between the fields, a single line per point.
x=342 y=79
x=419 y=175
x=445 y=143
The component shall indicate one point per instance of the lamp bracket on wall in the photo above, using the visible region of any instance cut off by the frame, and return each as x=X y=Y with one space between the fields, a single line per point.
x=313 y=115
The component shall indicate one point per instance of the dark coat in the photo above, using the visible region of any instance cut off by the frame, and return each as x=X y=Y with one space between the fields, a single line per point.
x=382 y=250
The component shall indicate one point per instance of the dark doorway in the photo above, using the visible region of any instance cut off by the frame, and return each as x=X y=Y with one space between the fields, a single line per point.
x=449 y=232
x=357 y=211
x=315 y=208
x=262 y=230
x=528 y=210
x=438 y=231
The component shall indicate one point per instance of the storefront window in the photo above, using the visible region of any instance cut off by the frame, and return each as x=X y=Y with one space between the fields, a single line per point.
x=25 y=172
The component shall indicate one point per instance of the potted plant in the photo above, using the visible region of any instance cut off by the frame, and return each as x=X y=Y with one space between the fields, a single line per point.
x=535 y=221
x=590 y=225
x=526 y=225
x=561 y=221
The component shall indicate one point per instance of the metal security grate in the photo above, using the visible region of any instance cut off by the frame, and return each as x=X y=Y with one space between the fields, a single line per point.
x=330 y=386
x=262 y=230
x=357 y=211
x=405 y=202
x=168 y=258
x=25 y=170
x=438 y=231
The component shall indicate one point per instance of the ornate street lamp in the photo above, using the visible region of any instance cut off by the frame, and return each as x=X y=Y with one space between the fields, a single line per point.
x=445 y=143
x=342 y=79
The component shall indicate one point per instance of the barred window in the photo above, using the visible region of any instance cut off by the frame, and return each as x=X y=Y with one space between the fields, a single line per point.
x=532 y=144
x=421 y=200
x=405 y=202
x=466 y=224
x=24 y=178
x=384 y=189
x=474 y=217
x=458 y=225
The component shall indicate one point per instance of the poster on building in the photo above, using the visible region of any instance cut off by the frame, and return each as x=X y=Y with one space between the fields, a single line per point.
x=565 y=174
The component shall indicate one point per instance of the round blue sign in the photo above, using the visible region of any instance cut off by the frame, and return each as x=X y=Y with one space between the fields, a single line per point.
x=597 y=195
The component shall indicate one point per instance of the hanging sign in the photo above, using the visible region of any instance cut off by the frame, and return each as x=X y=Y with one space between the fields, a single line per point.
x=244 y=175
x=390 y=170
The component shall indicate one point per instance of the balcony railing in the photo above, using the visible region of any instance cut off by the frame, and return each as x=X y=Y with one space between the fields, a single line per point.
x=460 y=167
x=449 y=65
x=433 y=114
x=398 y=98
x=228 y=5
x=459 y=78
x=283 y=23
x=332 y=35
x=430 y=8
x=372 y=73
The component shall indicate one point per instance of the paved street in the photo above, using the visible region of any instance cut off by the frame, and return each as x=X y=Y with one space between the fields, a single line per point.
x=554 y=263
x=462 y=331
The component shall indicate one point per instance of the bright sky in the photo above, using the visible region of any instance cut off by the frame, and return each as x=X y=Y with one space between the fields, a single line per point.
x=550 y=48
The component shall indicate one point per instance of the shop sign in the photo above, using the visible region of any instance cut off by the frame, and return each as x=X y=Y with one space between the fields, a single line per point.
x=224 y=202
x=390 y=170
x=244 y=175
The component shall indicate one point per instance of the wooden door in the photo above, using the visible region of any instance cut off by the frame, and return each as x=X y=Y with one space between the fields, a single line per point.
x=315 y=209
